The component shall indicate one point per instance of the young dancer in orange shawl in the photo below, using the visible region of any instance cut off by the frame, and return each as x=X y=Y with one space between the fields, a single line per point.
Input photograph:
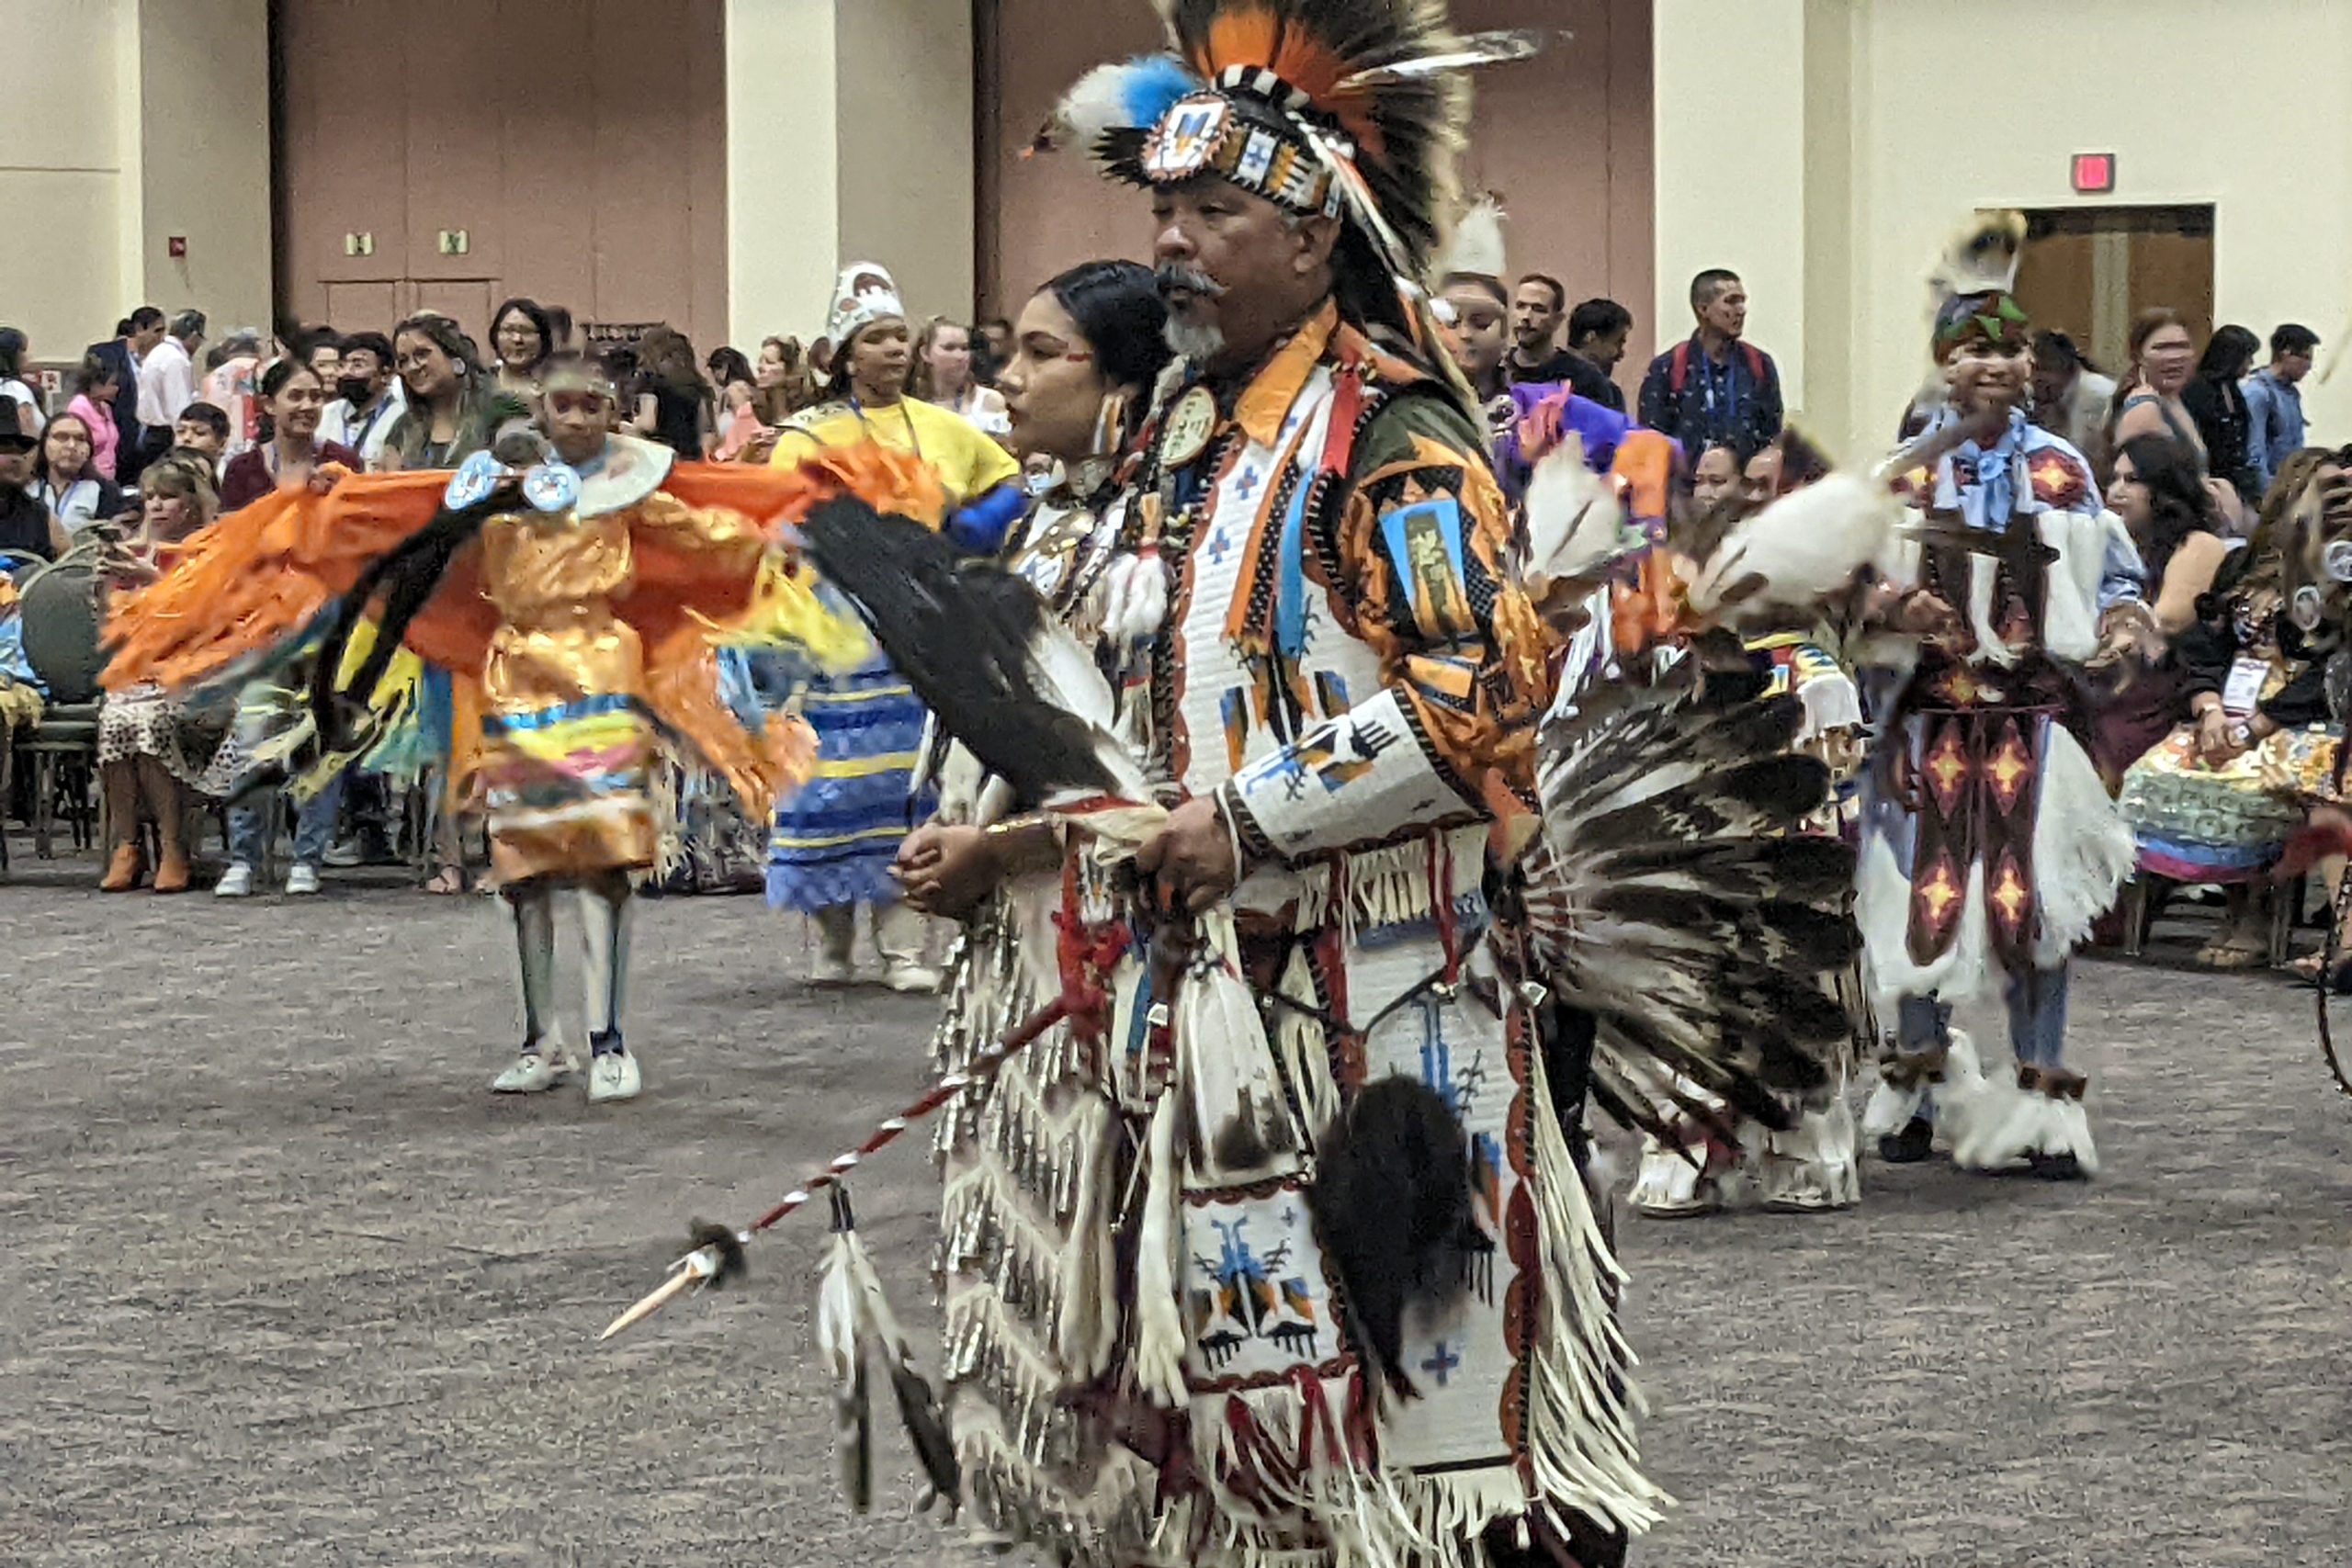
x=579 y=593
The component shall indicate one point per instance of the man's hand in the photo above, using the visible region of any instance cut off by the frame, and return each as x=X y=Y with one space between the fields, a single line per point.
x=1192 y=863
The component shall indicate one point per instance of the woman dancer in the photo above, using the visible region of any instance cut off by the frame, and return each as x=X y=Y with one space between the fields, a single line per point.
x=834 y=838
x=1087 y=348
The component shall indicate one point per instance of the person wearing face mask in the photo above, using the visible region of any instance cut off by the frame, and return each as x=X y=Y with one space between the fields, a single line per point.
x=369 y=398
x=1990 y=844
x=833 y=841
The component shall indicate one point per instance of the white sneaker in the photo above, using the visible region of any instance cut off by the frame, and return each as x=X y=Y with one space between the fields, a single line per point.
x=303 y=879
x=833 y=971
x=540 y=1069
x=613 y=1074
x=237 y=882
x=911 y=978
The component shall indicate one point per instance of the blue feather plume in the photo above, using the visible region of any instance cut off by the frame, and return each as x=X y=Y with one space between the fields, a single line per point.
x=1130 y=96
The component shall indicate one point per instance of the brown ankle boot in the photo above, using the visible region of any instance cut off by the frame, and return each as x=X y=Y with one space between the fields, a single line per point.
x=171 y=874
x=122 y=870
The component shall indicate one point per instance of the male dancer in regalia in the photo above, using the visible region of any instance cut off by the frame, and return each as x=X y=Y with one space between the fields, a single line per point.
x=1989 y=843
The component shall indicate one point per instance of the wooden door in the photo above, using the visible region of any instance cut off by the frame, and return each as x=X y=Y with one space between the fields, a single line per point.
x=2175 y=269
x=2056 y=285
x=579 y=146
x=549 y=140
x=370 y=305
x=342 y=155
x=466 y=300
x=451 y=104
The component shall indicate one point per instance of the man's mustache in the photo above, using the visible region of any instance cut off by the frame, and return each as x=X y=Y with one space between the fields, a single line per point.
x=1174 y=277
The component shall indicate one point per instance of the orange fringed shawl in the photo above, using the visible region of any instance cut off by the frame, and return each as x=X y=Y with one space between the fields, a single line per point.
x=264 y=572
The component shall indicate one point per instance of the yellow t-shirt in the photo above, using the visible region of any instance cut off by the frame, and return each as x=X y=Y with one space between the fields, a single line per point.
x=967 y=462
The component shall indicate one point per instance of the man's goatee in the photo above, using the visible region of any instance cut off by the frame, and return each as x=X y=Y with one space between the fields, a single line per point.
x=1197 y=343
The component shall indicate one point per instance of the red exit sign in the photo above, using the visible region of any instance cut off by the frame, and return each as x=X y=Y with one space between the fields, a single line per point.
x=2094 y=174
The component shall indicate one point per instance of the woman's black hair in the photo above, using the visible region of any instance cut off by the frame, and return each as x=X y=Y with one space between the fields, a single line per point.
x=2229 y=353
x=273 y=381
x=1118 y=309
x=13 y=344
x=406 y=575
x=728 y=365
x=536 y=315
x=2177 y=504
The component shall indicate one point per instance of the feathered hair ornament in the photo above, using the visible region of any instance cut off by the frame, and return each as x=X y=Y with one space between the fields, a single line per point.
x=1335 y=107
x=1970 y=290
x=1476 y=247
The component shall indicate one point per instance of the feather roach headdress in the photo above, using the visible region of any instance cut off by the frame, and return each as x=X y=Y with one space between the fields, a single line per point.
x=1970 y=290
x=1355 y=108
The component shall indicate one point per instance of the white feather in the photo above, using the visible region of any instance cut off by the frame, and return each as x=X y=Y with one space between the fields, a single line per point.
x=1805 y=547
x=1067 y=677
x=1982 y=256
x=1095 y=104
x=1575 y=522
x=1478 y=246
x=1479 y=48
x=837 y=1320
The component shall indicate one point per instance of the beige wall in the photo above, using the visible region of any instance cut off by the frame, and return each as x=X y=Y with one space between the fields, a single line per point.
x=903 y=82
x=1563 y=139
x=1865 y=132
x=849 y=139
x=132 y=121
x=204 y=163
x=781 y=166
x=63 y=191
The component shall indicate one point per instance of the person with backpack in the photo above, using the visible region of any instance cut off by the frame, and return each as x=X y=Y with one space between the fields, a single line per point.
x=1715 y=386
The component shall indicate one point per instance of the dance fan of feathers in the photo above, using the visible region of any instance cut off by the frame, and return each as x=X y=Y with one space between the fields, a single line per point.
x=1669 y=896
x=1669 y=893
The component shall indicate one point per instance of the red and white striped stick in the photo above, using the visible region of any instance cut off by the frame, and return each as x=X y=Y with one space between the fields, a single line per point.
x=704 y=1263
